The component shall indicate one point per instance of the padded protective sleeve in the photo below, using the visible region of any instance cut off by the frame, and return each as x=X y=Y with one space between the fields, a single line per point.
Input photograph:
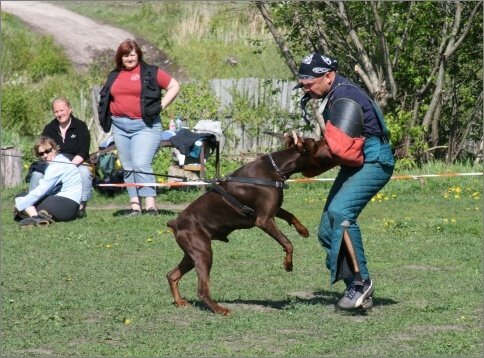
x=347 y=116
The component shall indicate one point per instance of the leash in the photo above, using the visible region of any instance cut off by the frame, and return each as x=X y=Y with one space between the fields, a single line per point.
x=155 y=174
x=94 y=166
x=249 y=180
x=248 y=211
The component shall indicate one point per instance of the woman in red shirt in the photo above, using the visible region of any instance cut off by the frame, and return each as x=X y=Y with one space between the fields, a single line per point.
x=135 y=101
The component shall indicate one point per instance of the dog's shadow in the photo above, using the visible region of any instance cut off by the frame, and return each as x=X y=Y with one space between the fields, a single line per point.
x=320 y=298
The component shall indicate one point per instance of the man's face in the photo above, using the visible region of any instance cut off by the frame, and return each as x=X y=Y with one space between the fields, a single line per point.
x=318 y=87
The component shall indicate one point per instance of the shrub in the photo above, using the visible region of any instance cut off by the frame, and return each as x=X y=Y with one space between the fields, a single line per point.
x=49 y=59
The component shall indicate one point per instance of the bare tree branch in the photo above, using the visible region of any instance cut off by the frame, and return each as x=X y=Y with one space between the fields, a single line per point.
x=384 y=49
x=278 y=38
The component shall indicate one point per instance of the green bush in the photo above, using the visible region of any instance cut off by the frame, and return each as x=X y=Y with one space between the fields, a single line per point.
x=195 y=101
x=16 y=48
x=21 y=109
x=48 y=60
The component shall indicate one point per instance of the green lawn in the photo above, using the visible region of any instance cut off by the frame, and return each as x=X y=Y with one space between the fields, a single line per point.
x=97 y=286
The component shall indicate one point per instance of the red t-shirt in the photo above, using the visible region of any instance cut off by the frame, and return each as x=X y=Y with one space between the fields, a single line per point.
x=126 y=92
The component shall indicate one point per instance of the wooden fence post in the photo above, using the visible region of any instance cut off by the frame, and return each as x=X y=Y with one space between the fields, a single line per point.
x=11 y=167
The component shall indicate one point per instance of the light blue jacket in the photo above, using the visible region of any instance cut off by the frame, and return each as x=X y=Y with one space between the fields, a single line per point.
x=59 y=170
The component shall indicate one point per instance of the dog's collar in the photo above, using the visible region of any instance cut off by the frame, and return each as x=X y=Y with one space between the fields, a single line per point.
x=276 y=167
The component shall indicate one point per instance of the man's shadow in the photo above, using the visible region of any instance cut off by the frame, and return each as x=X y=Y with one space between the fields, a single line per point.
x=321 y=298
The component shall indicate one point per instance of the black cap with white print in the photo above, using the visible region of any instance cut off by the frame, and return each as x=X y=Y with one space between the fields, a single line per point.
x=315 y=65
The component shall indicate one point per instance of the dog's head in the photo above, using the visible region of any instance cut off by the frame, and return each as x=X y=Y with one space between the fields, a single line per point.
x=317 y=152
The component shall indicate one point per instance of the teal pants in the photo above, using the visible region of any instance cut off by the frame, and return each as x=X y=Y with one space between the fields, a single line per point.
x=351 y=191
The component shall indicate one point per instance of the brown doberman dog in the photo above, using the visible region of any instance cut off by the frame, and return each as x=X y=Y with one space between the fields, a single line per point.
x=251 y=196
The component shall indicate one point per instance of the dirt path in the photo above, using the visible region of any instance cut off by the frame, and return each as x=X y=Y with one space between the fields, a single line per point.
x=82 y=38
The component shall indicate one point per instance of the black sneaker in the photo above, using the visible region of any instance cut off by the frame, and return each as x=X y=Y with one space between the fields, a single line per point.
x=131 y=213
x=33 y=221
x=356 y=295
x=151 y=211
x=81 y=213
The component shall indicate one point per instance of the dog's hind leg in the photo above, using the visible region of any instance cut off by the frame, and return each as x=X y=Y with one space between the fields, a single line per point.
x=202 y=257
x=292 y=220
x=175 y=275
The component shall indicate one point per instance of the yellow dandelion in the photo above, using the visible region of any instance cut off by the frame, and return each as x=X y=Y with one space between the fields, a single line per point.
x=453 y=220
x=127 y=321
x=373 y=199
x=26 y=166
x=457 y=196
x=149 y=239
x=445 y=196
x=446 y=220
x=108 y=246
x=458 y=190
x=386 y=198
x=394 y=196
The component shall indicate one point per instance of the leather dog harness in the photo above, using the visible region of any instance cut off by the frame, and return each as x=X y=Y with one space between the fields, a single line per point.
x=248 y=211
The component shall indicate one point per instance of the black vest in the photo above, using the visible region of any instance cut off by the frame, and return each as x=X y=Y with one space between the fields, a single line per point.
x=150 y=97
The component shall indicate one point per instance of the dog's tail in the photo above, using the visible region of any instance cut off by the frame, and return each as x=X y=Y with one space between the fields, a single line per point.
x=172 y=226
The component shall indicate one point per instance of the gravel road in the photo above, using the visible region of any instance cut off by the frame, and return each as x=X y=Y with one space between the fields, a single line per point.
x=82 y=38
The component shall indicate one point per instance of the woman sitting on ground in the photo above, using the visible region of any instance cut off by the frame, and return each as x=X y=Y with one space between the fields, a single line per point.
x=59 y=193
x=73 y=138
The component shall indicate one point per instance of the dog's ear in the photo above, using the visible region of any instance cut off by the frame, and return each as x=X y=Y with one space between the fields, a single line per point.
x=304 y=146
x=298 y=142
x=288 y=140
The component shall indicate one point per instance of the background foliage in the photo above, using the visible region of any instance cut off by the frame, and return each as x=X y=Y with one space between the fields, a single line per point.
x=403 y=52
x=414 y=57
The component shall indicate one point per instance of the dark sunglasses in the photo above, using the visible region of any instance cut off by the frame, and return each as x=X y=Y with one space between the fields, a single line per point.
x=47 y=151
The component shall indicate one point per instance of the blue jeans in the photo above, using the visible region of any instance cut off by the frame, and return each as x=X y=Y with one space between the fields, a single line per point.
x=137 y=144
x=86 y=180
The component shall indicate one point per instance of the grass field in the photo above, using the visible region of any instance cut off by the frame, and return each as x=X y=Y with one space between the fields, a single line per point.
x=97 y=286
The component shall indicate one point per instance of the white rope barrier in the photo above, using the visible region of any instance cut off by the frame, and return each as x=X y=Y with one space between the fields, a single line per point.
x=301 y=180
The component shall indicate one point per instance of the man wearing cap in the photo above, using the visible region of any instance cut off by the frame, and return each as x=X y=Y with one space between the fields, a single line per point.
x=358 y=140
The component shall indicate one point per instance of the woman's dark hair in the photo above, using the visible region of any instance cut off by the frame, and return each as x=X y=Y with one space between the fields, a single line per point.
x=125 y=48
